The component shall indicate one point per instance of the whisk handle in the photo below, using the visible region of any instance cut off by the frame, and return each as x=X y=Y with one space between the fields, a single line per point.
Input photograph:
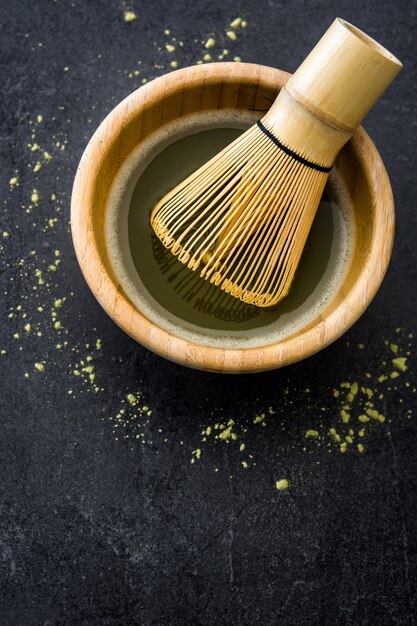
x=325 y=100
x=343 y=76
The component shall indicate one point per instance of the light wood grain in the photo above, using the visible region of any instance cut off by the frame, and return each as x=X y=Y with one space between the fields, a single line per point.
x=206 y=88
x=343 y=76
x=331 y=92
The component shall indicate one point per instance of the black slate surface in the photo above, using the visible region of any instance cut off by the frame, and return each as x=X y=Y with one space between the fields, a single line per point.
x=106 y=521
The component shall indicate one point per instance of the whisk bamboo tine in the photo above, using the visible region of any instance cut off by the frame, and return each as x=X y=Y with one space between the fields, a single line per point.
x=244 y=217
x=258 y=260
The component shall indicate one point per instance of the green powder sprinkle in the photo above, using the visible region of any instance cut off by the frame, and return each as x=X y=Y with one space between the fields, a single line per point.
x=333 y=433
x=35 y=197
x=282 y=484
x=345 y=416
x=130 y=16
x=228 y=434
x=236 y=23
x=400 y=363
x=375 y=415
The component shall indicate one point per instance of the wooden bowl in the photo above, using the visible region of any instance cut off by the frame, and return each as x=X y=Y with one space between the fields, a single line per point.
x=211 y=87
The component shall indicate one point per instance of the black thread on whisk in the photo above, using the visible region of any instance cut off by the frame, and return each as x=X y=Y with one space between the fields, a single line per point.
x=291 y=153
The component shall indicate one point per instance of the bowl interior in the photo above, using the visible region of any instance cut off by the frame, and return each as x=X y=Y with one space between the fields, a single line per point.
x=178 y=300
x=244 y=90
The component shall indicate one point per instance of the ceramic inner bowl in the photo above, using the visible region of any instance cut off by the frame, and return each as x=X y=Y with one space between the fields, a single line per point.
x=222 y=90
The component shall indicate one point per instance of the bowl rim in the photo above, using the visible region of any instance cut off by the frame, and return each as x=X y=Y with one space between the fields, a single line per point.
x=110 y=295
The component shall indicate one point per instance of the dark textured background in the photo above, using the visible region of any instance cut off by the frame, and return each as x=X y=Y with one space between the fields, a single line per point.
x=102 y=529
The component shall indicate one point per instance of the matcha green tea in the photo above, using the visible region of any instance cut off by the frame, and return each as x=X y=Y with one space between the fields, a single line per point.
x=176 y=298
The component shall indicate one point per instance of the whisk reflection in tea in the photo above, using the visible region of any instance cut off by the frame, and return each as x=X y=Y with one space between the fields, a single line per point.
x=199 y=294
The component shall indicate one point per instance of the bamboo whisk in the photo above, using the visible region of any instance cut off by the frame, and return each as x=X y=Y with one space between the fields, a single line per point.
x=243 y=218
